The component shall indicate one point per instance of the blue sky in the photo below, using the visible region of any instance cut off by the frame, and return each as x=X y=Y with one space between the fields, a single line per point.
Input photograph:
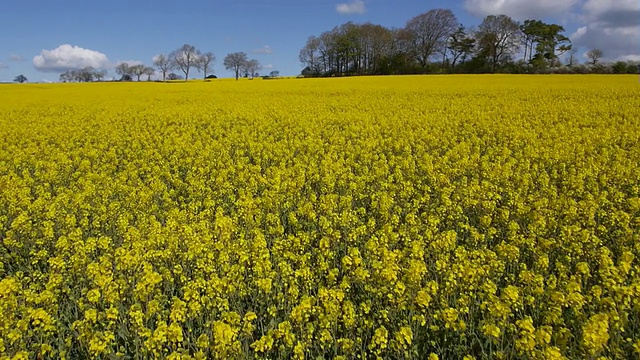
x=109 y=32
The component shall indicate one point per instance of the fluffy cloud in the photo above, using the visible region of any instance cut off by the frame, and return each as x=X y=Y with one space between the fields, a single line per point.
x=263 y=50
x=66 y=57
x=3 y=66
x=519 y=9
x=632 y=57
x=131 y=62
x=267 y=66
x=610 y=25
x=352 y=7
x=16 y=58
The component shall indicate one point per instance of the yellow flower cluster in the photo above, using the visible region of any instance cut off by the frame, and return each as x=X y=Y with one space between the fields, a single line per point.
x=473 y=217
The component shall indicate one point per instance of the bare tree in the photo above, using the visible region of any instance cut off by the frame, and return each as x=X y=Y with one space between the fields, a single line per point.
x=428 y=33
x=498 y=36
x=310 y=55
x=164 y=64
x=235 y=62
x=572 y=56
x=595 y=55
x=185 y=58
x=86 y=74
x=205 y=62
x=138 y=70
x=149 y=71
x=125 y=71
x=251 y=68
x=99 y=75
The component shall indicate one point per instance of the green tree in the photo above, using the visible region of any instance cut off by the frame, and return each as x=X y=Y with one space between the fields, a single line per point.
x=460 y=45
x=551 y=43
x=20 y=79
x=531 y=30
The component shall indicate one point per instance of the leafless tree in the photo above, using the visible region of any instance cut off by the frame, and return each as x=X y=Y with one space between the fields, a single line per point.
x=185 y=58
x=124 y=70
x=595 y=55
x=310 y=55
x=149 y=71
x=205 y=62
x=251 y=68
x=428 y=33
x=235 y=62
x=164 y=64
x=138 y=70
x=572 y=56
x=99 y=75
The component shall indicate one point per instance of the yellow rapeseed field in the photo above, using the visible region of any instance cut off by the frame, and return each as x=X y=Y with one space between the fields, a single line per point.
x=475 y=217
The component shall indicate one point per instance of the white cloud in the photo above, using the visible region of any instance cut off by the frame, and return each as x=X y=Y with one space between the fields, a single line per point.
x=352 y=7
x=3 y=66
x=130 y=62
x=632 y=57
x=16 y=58
x=610 y=25
x=263 y=50
x=66 y=57
x=582 y=31
x=267 y=66
x=156 y=57
x=519 y=9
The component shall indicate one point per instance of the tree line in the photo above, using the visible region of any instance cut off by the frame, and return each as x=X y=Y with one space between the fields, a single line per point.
x=435 y=42
x=184 y=59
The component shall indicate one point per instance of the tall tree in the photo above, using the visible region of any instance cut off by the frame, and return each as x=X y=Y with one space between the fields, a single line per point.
x=530 y=31
x=164 y=64
x=205 y=62
x=310 y=55
x=552 y=43
x=498 y=36
x=460 y=45
x=547 y=40
x=185 y=58
x=235 y=62
x=428 y=33
x=572 y=56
